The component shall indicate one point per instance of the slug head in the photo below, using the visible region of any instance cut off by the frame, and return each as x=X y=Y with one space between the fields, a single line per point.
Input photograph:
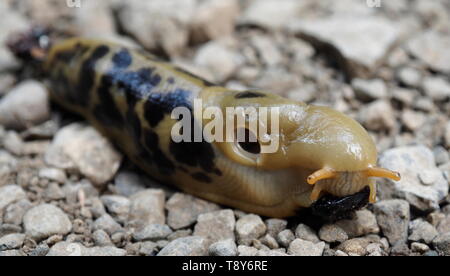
x=337 y=153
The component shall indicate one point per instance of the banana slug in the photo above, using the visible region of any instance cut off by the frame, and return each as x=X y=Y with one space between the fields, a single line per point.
x=324 y=156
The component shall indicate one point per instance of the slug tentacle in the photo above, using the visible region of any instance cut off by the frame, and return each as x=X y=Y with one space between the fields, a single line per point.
x=381 y=172
x=321 y=174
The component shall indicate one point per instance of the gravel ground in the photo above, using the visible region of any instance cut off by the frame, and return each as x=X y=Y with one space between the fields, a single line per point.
x=64 y=190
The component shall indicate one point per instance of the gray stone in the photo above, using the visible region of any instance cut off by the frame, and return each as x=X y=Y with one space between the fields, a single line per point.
x=422 y=231
x=285 y=237
x=188 y=246
x=96 y=207
x=147 y=248
x=269 y=241
x=219 y=59
x=107 y=224
x=377 y=115
x=223 y=248
x=162 y=243
x=179 y=234
x=147 y=207
x=340 y=253
x=393 y=218
x=94 y=19
x=46 y=220
x=117 y=206
x=432 y=48
x=75 y=249
x=275 y=226
x=244 y=250
x=6 y=229
x=362 y=223
x=306 y=233
x=442 y=244
x=300 y=247
x=369 y=90
x=223 y=223
x=248 y=228
x=360 y=49
x=436 y=88
x=410 y=76
x=409 y=161
x=332 y=233
x=424 y=104
x=413 y=120
x=272 y=13
x=11 y=253
x=82 y=148
x=73 y=191
x=447 y=135
x=355 y=247
x=404 y=95
x=53 y=174
x=128 y=183
x=183 y=210
x=18 y=110
x=40 y=250
x=53 y=192
x=15 y=211
x=441 y=155
x=152 y=232
x=13 y=143
x=158 y=24
x=10 y=194
x=11 y=241
x=12 y=22
x=374 y=249
x=270 y=253
x=101 y=238
x=419 y=247
x=305 y=93
x=444 y=225
x=267 y=50
x=213 y=19
x=6 y=82
x=429 y=177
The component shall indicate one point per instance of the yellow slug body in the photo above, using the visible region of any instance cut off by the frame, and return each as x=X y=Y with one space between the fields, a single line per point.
x=129 y=95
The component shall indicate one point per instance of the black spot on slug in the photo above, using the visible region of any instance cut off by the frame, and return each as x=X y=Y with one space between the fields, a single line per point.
x=201 y=177
x=140 y=83
x=248 y=94
x=133 y=123
x=122 y=59
x=151 y=142
x=87 y=73
x=195 y=154
x=106 y=111
x=159 y=104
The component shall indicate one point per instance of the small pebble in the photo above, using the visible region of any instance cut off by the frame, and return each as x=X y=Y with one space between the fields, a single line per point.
x=223 y=248
x=306 y=233
x=248 y=228
x=45 y=220
x=188 y=246
x=300 y=247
